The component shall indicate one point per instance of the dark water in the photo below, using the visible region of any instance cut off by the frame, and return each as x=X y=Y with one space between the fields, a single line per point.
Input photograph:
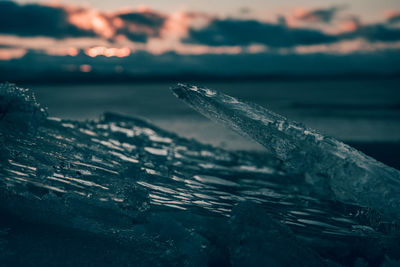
x=348 y=110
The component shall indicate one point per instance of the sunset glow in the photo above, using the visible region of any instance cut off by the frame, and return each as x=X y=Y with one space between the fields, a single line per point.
x=85 y=68
x=393 y=14
x=7 y=54
x=124 y=31
x=108 y=52
x=350 y=25
x=61 y=51
x=91 y=20
x=74 y=37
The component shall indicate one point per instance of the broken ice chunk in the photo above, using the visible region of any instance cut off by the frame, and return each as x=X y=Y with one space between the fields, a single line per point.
x=351 y=175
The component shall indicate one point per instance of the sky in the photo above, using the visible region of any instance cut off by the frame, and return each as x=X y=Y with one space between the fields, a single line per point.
x=195 y=36
x=369 y=9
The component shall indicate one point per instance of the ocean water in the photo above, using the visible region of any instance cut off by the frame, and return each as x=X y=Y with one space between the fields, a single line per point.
x=120 y=191
x=349 y=110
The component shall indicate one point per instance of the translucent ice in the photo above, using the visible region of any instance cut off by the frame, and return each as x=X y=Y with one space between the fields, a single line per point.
x=145 y=196
x=330 y=165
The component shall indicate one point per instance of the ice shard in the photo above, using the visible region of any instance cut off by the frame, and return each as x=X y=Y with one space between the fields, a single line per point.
x=328 y=164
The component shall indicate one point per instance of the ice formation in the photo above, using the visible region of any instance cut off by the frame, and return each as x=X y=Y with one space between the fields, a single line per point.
x=330 y=166
x=122 y=192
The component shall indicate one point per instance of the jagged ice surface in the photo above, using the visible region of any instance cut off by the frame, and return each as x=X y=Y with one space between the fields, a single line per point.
x=330 y=165
x=122 y=189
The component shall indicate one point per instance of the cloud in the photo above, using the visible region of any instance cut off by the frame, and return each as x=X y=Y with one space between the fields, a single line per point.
x=235 y=32
x=37 y=20
x=5 y=46
x=64 y=29
x=11 y=53
x=149 y=19
x=138 y=26
x=379 y=32
x=143 y=63
x=63 y=21
x=324 y=15
x=351 y=23
x=393 y=17
x=375 y=32
x=222 y=32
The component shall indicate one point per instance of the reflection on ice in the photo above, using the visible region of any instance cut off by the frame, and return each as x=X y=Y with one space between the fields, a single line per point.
x=156 y=151
x=330 y=166
x=125 y=178
x=214 y=180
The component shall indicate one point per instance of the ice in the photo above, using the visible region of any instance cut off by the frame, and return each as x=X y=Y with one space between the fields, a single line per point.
x=330 y=166
x=19 y=104
x=120 y=192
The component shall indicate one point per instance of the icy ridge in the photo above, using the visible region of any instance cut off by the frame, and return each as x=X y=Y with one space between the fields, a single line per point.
x=19 y=104
x=350 y=175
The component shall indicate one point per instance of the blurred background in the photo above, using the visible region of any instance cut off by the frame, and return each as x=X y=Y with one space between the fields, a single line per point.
x=333 y=65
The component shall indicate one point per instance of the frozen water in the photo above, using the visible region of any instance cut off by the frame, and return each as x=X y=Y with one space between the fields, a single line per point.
x=139 y=195
x=330 y=166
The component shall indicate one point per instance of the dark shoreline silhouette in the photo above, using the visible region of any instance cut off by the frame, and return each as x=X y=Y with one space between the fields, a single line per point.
x=57 y=77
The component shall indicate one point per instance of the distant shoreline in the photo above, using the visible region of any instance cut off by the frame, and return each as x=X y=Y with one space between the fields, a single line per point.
x=52 y=77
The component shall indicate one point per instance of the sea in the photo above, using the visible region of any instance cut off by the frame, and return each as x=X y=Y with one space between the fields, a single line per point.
x=362 y=112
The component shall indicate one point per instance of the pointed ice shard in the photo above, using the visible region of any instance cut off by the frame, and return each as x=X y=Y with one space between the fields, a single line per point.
x=349 y=174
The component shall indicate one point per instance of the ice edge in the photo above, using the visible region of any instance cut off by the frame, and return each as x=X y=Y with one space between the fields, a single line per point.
x=351 y=175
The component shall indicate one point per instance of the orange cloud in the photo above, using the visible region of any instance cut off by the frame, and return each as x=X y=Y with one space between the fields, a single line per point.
x=108 y=52
x=11 y=53
x=179 y=23
x=351 y=24
x=60 y=21
x=91 y=20
x=393 y=16
x=62 y=51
